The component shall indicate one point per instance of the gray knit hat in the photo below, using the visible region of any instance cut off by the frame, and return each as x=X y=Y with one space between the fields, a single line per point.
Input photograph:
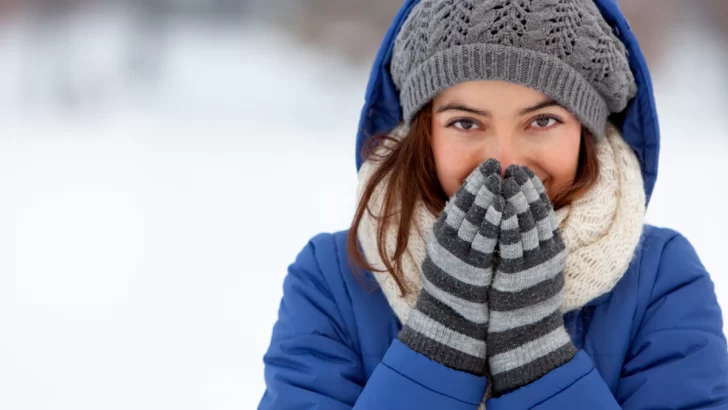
x=562 y=48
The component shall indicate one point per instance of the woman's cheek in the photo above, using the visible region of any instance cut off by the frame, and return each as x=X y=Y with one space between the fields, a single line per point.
x=452 y=177
x=451 y=171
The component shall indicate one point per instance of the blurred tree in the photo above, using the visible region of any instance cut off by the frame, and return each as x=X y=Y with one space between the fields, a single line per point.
x=653 y=20
x=718 y=10
x=48 y=30
x=649 y=20
x=350 y=27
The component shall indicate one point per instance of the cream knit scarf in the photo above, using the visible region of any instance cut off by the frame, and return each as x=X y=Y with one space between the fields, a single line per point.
x=601 y=230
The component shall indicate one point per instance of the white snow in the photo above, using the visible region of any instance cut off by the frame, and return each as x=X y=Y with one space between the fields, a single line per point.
x=144 y=238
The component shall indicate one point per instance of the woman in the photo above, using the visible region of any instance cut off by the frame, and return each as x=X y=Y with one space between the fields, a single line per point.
x=499 y=256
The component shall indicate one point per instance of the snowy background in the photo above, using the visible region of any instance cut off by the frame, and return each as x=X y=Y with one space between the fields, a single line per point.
x=155 y=188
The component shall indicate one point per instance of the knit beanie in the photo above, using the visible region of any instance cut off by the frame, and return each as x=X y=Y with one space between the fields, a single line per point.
x=562 y=48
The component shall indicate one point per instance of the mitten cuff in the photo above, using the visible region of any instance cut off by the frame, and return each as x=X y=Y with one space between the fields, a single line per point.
x=432 y=339
x=507 y=381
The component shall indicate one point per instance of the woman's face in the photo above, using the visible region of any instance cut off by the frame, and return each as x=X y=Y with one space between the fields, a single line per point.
x=475 y=121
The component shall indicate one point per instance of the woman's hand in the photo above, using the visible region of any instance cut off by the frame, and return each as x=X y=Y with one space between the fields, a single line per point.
x=526 y=334
x=449 y=322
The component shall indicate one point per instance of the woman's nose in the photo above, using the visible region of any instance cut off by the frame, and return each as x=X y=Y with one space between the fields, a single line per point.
x=505 y=153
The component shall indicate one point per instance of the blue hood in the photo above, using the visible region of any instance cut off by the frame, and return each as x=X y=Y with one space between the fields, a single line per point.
x=382 y=111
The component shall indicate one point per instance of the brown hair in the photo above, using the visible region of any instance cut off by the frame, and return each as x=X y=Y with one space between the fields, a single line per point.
x=408 y=165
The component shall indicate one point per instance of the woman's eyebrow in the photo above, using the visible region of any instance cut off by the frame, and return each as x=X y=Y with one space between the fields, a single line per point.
x=543 y=104
x=462 y=107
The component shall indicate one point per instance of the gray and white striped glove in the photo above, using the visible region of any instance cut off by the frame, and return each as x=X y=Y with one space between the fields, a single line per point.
x=449 y=321
x=526 y=334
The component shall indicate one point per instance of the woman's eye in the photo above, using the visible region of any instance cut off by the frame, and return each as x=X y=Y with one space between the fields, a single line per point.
x=544 y=122
x=465 y=125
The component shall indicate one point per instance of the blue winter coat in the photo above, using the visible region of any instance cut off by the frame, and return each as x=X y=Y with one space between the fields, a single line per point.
x=654 y=342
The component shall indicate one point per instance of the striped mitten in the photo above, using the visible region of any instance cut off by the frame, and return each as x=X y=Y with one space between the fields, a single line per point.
x=449 y=321
x=526 y=334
